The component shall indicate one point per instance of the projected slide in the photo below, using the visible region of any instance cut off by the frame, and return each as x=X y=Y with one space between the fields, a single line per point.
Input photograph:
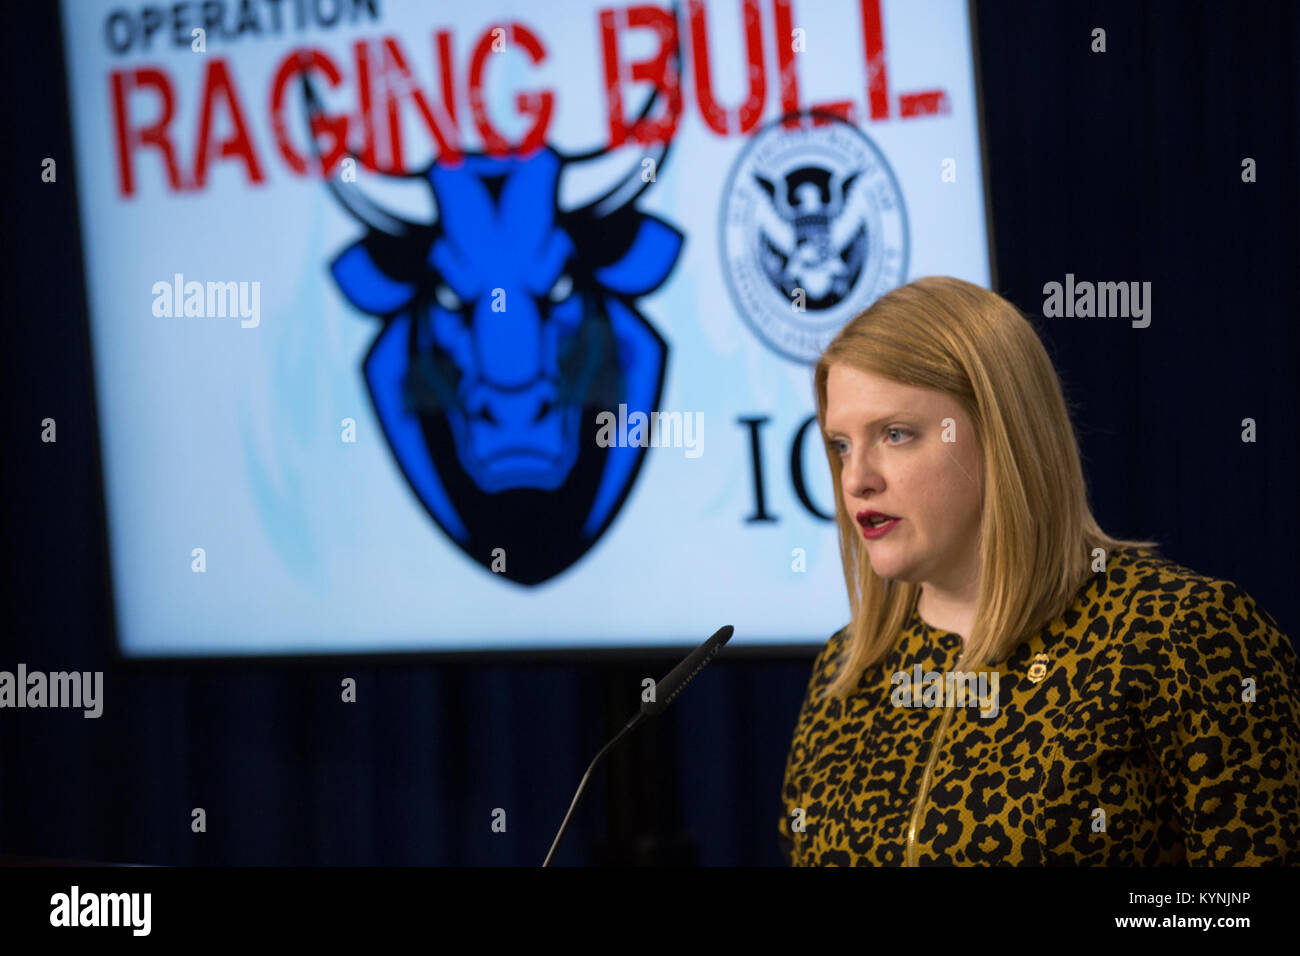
x=447 y=327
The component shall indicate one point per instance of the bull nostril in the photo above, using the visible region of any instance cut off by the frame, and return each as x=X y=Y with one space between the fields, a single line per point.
x=543 y=411
x=486 y=414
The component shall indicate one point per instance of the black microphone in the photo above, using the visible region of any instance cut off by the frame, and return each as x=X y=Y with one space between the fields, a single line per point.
x=683 y=673
x=664 y=693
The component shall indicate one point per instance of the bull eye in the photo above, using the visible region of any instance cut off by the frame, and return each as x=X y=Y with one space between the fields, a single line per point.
x=448 y=299
x=562 y=288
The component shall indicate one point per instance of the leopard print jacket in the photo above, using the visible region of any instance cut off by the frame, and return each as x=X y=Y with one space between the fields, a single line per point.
x=1155 y=722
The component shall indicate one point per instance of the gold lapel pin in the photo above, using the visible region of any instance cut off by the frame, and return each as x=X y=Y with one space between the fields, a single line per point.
x=1038 y=668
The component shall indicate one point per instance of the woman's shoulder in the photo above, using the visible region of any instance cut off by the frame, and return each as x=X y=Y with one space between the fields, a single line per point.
x=825 y=667
x=1171 y=607
x=827 y=662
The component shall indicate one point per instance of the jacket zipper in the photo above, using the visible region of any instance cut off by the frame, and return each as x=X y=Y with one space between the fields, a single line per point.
x=909 y=856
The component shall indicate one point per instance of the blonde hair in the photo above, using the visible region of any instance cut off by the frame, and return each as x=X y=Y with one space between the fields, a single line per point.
x=1037 y=532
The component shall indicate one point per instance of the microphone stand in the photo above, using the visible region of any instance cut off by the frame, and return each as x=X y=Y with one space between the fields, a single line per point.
x=636 y=719
x=665 y=691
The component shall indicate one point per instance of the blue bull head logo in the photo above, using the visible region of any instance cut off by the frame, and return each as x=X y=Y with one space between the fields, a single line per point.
x=508 y=325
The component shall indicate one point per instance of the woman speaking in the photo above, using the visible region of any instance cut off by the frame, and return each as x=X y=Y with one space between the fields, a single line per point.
x=1016 y=687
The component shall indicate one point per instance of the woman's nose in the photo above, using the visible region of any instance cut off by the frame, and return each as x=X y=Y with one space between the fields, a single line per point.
x=861 y=476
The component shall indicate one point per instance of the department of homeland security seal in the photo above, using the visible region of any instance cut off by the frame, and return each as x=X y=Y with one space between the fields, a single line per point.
x=813 y=230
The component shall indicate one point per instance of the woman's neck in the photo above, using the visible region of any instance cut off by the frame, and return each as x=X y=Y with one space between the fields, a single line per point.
x=950 y=611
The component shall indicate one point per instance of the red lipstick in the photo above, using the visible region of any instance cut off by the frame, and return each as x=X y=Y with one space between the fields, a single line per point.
x=876 y=524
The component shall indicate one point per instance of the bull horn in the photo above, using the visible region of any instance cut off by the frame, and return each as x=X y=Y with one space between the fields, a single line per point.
x=350 y=195
x=630 y=186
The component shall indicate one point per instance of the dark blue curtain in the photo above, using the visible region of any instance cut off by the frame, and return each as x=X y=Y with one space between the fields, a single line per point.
x=1116 y=166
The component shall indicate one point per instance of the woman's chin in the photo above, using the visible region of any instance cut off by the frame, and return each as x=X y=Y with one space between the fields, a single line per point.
x=889 y=566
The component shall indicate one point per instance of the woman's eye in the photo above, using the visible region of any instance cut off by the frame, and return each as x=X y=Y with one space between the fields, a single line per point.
x=837 y=446
x=447 y=299
x=901 y=431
